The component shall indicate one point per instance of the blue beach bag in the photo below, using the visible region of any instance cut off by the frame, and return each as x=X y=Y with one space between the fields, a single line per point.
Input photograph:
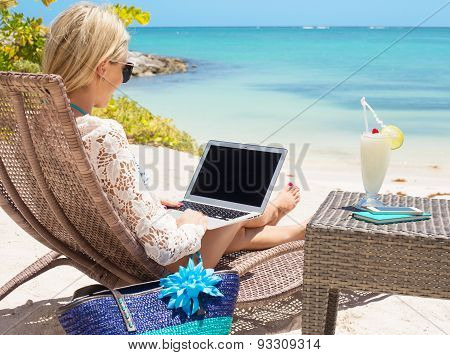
x=192 y=301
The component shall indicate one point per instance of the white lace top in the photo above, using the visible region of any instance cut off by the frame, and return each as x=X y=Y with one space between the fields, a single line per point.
x=119 y=174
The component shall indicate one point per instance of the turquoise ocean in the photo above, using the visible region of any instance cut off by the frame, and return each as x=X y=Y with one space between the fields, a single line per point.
x=247 y=85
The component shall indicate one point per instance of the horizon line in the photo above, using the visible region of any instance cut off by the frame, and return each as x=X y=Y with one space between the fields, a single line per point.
x=289 y=26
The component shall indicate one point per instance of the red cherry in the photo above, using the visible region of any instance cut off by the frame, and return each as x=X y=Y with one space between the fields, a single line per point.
x=374 y=131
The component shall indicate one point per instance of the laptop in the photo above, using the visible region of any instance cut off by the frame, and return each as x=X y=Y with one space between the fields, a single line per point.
x=233 y=182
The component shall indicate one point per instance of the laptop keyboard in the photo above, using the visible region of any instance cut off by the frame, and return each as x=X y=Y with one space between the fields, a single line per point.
x=212 y=211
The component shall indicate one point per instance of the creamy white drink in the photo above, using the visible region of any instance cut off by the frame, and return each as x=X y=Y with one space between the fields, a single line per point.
x=375 y=155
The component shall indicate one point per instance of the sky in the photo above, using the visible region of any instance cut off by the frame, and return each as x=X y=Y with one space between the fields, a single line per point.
x=174 y=13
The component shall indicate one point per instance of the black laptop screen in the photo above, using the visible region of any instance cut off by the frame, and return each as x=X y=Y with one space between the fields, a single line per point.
x=236 y=175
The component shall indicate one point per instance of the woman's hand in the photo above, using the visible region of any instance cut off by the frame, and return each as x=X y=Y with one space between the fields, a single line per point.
x=168 y=203
x=193 y=217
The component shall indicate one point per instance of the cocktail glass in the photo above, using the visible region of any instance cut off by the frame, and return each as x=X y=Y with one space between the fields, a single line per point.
x=375 y=156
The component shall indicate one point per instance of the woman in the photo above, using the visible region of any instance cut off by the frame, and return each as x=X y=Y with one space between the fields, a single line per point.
x=88 y=46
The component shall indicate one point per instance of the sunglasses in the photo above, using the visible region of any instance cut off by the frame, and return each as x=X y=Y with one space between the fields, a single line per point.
x=127 y=70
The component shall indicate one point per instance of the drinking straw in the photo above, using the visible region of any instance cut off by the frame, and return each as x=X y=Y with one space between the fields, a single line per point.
x=364 y=104
x=380 y=122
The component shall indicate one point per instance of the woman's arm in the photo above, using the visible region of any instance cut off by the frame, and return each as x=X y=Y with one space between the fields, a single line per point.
x=163 y=240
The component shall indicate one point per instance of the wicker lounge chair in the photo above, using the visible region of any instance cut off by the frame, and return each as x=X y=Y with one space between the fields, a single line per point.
x=49 y=188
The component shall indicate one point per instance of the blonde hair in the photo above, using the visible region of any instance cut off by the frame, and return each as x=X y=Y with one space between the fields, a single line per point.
x=79 y=39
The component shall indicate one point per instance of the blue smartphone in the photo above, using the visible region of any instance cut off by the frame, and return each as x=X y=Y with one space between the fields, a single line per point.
x=394 y=210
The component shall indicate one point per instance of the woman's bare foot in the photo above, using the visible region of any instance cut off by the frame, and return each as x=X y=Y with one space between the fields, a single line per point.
x=286 y=201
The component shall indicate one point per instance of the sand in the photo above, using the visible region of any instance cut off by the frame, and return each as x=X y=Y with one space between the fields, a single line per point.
x=30 y=308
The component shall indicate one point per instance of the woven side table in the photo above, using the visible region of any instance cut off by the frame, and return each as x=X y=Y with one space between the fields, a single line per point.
x=343 y=253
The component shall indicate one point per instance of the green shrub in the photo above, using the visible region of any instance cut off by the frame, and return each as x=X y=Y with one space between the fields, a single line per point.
x=25 y=66
x=142 y=127
x=21 y=38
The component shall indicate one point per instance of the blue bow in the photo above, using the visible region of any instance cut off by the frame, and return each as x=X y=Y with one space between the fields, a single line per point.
x=184 y=286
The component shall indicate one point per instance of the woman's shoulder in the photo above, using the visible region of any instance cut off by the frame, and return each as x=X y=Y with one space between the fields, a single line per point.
x=90 y=125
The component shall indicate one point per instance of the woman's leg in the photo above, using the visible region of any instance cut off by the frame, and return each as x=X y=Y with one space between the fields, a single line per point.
x=270 y=216
x=235 y=237
x=239 y=236
x=278 y=208
x=214 y=244
x=266 y=237
x=217 y=242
